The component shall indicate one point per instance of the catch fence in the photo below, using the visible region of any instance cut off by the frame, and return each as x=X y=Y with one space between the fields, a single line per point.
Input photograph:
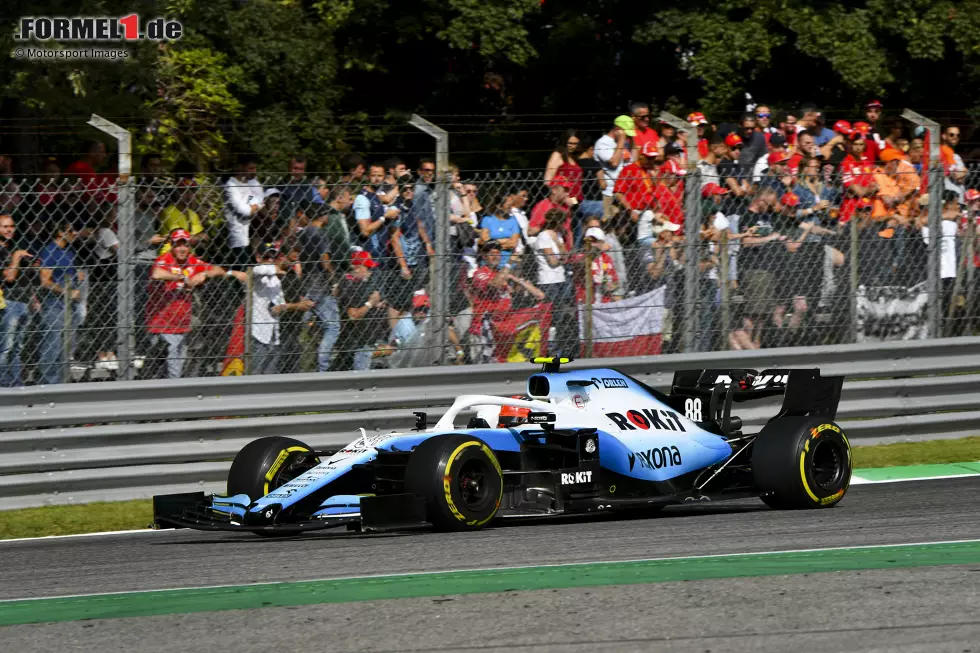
x=714 y=259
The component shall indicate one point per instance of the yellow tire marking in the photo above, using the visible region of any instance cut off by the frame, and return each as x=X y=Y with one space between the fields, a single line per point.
x=447 y=488
x=803 y=478
x=280 y=459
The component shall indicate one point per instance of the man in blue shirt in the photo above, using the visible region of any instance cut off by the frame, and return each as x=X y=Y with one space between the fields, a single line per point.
x=61 y=287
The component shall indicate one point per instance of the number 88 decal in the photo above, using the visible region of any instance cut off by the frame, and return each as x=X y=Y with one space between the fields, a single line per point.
x=692 y=409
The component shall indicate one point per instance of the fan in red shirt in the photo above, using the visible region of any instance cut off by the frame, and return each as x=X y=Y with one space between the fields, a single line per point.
x=871 y=148
x=644 y=132
x=173 y=276
x=857 y=175
x=558 y=199
x=670 y=190
x=636 y=186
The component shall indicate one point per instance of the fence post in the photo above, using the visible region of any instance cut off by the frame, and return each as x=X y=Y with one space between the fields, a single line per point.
x=935 y=172
x=692 y=234
x=971 y=250
x=724 y=263
x=126 y=232
x=589 y=301
x=853 y=277
x=247 y=350
x=66 y=335
x=440 y=282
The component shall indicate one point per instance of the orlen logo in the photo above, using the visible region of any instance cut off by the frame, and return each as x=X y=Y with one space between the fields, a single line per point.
x=656 y=458
x=85 y=28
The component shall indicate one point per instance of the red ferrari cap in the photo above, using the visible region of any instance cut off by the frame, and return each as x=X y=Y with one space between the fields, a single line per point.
x=363 y=258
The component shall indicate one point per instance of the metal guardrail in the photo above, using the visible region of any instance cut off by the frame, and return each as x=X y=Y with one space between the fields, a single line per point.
x=108 y=441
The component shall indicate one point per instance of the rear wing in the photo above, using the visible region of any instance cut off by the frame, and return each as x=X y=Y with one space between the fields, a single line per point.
x=804 y=391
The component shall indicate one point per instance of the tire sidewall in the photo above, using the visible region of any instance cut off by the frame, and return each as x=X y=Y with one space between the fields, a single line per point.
x=434 y=474
x=257 y=468
x=783 y=460
x=821 y=434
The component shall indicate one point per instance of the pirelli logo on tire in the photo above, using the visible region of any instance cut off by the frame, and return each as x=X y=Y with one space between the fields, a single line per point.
x=817 y=430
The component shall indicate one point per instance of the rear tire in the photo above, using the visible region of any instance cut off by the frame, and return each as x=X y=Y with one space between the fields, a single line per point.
x=801 y=462
x=460 y=480
x=260 y=467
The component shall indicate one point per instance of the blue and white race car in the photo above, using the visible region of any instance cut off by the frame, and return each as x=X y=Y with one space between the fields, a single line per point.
x=580 y=441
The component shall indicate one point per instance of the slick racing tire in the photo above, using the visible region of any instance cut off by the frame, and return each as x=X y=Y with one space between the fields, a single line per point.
x=460 y=480
x=802 y=462
x=263 y=465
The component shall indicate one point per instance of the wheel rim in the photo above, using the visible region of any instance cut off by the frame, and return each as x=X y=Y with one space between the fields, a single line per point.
x=827 y=464
x=473 y=483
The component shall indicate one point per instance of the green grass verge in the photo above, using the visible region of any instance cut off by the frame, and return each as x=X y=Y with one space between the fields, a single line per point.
x=126 y=515
x=68 y=520
x=932 y=452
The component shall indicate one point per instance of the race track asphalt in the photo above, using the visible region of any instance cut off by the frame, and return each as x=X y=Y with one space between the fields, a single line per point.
x=927 y=608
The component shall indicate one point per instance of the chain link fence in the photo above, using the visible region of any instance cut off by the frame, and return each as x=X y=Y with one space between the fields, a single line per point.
x=251 y=275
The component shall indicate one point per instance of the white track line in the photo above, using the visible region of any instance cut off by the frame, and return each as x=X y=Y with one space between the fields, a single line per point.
x=857 y=480
x=65 y=537
x=499 y=569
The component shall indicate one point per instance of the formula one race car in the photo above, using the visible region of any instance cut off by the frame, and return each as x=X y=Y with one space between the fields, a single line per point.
x=581 y=441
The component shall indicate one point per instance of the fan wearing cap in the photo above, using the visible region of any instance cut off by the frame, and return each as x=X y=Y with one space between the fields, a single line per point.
x=268 y=306
x=872 y=114
x=636 y=191
x=898 y=184
x=700 y=123
x=168 y=307
x=268 y=224
x=605 y=279
x=410 y=318
x=179 y=214
x=364 y=315
x=612 y=151
x=730 y=169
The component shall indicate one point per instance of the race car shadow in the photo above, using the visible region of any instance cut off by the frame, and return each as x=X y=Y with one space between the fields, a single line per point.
x=699 y=509
x=677 y=511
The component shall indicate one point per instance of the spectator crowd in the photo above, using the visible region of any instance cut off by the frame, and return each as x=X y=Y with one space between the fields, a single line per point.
x=306 y=272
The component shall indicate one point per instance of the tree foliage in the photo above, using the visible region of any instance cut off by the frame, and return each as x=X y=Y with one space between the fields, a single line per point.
x=327 y=76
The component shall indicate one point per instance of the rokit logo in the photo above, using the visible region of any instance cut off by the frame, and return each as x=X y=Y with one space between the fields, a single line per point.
x=663 y=420
x=656 y=458
x=758 y=382
x=575 y=478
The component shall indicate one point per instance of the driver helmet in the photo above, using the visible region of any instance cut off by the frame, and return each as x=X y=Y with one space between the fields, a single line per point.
x=513 y=415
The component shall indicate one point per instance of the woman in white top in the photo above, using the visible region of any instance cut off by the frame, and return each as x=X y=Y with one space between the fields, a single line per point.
x=551 y=252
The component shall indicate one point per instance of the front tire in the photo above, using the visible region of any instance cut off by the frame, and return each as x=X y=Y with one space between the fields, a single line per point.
x=261 y=466
x=802 y=462
x=460 y=480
